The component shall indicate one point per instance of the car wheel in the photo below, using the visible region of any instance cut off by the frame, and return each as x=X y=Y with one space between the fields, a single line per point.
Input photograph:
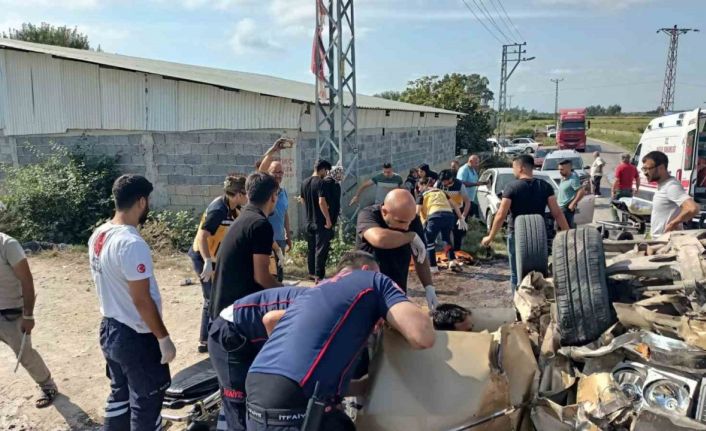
x=489 y=217
x=580 y=286
x=531 y=252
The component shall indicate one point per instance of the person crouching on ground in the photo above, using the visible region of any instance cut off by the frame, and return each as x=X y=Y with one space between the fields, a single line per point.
x=436 y=209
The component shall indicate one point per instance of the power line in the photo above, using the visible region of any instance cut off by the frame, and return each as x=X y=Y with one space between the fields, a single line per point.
x=481 y=22
x=510 y=20
x=487 y=14
x=502 y=19
x=627 y=84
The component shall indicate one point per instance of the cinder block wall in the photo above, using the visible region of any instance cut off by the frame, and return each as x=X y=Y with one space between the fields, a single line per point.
x=187 y=168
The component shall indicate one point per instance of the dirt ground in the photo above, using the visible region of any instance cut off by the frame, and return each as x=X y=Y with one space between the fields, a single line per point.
x=66 y=332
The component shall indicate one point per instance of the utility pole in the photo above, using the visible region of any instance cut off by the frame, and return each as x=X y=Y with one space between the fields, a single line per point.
x=556 y=99
x=334 y=66
x=512 y=55
x=670 y=74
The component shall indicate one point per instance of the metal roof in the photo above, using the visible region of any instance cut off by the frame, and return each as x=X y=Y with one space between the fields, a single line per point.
x=252 y=82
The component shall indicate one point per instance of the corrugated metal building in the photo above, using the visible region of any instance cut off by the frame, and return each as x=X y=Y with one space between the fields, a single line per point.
x=185 y=126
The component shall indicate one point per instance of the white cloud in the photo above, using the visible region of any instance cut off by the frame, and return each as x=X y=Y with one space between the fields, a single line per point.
x=51 y=4
x=248 y=38
x=213 y=4
x=602 y=4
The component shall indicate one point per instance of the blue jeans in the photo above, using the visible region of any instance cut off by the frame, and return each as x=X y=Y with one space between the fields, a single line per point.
x=137 y=379
x=198 y=263
x=441 y=222
x=513 y=263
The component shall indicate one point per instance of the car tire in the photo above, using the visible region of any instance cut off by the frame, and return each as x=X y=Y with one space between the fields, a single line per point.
x=531 y=252
x=584 y=309
x=489 y=217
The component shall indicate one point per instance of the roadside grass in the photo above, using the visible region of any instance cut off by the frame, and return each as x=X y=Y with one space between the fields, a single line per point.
x=471 y=242
x=627 y=141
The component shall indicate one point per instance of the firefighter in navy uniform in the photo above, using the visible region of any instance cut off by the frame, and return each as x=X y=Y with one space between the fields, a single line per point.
x=318 y=340
x=235 y=338
x=213 y=226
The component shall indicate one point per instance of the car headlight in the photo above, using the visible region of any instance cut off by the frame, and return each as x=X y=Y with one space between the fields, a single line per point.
x=631 y=382
x=667 y=396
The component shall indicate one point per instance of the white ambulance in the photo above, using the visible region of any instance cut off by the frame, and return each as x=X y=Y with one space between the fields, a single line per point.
x=674 y=135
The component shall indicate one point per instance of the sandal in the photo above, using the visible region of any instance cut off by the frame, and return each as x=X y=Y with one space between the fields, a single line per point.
x=46 y=399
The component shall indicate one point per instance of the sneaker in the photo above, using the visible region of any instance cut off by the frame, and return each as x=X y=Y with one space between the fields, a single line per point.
x=434 y=269
x=203 y=348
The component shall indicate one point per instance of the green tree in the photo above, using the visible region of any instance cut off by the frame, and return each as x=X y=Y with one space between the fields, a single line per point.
x=49 y=35
x=468 y=94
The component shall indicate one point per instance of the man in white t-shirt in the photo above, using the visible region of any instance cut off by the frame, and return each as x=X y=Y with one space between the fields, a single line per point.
x=596 y=173
x=671 y=204
x=134 y=340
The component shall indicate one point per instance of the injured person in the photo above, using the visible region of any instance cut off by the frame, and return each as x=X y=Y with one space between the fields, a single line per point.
x=235 y=338
x=313 y=349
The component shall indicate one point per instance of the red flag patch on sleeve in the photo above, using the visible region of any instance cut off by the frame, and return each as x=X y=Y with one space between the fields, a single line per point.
x=141 y=268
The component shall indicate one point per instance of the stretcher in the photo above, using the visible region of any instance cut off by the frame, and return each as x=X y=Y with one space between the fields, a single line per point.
x=193 y=398
x=634 y=218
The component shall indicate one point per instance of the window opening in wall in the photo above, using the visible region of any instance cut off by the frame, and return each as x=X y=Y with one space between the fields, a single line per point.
x=383 y=131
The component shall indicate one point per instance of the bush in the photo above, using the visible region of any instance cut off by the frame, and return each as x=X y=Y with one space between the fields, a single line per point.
x=524 y=133
x=57 y=199
x=338 y=248
x=170 y=231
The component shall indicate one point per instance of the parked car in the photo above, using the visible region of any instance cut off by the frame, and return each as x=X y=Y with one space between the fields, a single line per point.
x=551 y=131
x=525 y=145
x=504 y=146
x=539 y=156
x=489 y=196
x=551 y=165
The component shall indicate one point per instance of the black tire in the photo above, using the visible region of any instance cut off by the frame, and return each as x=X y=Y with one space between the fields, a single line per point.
x=531 y=252
x=580 y=286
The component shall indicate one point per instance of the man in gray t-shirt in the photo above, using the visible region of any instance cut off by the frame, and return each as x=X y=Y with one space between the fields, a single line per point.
x=383 y=182
x=671 y=205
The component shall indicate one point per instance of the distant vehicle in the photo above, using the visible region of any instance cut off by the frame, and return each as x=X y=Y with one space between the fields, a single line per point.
x=572 y=129
x=539 y=156
x=674 y=135
x=551 y=133
x=527 y=145
x=489 y=196
x=550 y=127
x=503 y=146
x=551 y=165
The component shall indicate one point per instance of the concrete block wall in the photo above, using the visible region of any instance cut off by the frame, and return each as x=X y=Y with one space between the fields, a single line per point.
x=187 y=168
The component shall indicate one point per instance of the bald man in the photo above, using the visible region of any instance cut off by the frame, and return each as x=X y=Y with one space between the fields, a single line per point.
x=468 y=175
x=393 y=233
x=279 y=219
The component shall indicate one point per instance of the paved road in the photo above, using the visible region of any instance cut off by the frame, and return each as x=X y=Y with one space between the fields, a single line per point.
x=611 y=154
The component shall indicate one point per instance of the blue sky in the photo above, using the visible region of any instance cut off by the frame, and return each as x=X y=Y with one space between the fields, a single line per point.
x=606 y=50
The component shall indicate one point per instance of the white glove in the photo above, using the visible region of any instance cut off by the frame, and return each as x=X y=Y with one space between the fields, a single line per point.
x=207 y=272
x=419 y=249
x=432 y=300
x=461 y=224
x=168 y=350
x=280 y=258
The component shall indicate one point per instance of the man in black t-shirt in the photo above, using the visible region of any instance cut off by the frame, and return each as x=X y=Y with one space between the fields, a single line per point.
x=319 y=223
x=525 y=195
x=392 y=232
x=243 y=265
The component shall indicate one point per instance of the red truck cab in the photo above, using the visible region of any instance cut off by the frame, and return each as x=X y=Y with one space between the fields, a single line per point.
x=571 y=132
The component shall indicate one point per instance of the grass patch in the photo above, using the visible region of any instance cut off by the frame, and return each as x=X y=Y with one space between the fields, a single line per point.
x=471 y=242
x=629 y=142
